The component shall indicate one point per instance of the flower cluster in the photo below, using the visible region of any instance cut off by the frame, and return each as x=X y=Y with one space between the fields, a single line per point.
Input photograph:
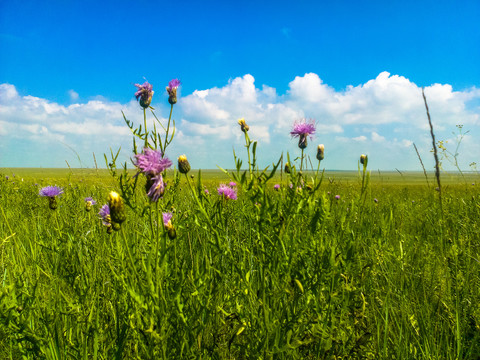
x=153 y=163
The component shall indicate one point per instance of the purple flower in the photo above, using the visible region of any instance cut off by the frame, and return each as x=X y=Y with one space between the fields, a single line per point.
x=90 y=200
x=232 y=184
x=104 y=214
x=152 y=162
x=276 y=187
x=50 y=191
x=167 y=217
x=302 y=130
x=157 y=189
x=7 y=177
x=376 y=200
x=173 y=84
x=144 y=93
x=227 y=192
x=207 y=192
x=337 y=197
x=172 y=91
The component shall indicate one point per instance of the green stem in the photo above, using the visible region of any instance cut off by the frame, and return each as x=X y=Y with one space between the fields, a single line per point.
x=301 y=161
x=168 y=128
x=248 y=143
x=145 y=124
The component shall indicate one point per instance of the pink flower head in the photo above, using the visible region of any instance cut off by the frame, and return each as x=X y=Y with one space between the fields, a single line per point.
x=152 y=162
x=276 y=187
x=172 y=91
x=173 y=84
x=51 y=191
x=157 y=189
x=104 y=214
x=227 y=192
x=232 y=184
x=302 y=129
x=167 y=217
x=144 y=93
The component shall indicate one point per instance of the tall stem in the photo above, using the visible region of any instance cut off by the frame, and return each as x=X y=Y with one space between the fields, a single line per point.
x=168 y=128
x=145 y=124
x=301 y=161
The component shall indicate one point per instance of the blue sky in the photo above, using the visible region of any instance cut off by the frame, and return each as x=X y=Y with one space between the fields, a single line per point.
x=67 y=70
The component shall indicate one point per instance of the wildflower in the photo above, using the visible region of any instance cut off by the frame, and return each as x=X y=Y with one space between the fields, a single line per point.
x=152 y=162
x=183 y=164
x=118 y=212
x=232 y=184
x=206 y=191
x=88 y=203
x=337 y=197
x=302 y=130
x=172 y=91
x=320 y=152
x=227 y=192
x=375 y=200
x=157 y=189
x=7 y=177
x=104 y=214
x=243 y=125
x=51 y=192
x=145 y=93
x=276 y=187
x=167 y=222
x=363 y=159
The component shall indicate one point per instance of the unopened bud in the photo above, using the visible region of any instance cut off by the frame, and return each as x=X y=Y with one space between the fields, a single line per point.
x=243 y=125
x=183 y=164
x=363 y=159
x=320 y=152
x=52 y=202
x=288 y=169
x=117 y=208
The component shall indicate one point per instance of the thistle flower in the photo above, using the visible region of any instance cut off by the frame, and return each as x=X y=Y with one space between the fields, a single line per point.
x=183 y=164
x=232 y=184
x=88 y=203
x=206 y=191
x=157 y=189
x=363 y=159
x=276 y=187
x=172 y=91
x=151 y=162
x=243 y=125
x=227 y=192
x=320 y=152
x=167 y=222
x=104 y=214
x=117 y=208
x=337 y=197
x=51 y=192
x=302 y=130
x=144 y=93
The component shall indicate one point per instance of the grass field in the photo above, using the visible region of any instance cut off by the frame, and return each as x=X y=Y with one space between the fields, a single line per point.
x=325 y=271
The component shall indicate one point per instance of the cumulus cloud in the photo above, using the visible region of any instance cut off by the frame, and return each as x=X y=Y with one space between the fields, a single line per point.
x=382 y=117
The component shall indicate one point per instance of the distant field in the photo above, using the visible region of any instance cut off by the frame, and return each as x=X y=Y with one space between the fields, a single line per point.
x=44 y=175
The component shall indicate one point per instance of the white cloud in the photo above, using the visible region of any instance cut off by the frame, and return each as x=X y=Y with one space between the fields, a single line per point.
x=382 y=117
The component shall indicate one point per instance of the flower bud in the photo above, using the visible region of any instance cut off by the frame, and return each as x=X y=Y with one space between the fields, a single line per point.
x=172 y=233
x=117 y=208
x=288 y=169
x=243 y=125
x=109 y=229
x=302 y=141
x=183 y=164
x=52 y=202
x=320 y=152
x=363 y=159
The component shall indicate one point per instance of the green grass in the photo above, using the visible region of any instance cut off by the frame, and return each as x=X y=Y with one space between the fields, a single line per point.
x=288 y=274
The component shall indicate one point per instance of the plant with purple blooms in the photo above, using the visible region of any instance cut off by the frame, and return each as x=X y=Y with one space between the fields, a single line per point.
x=51 y=192
x=167 y=223
x=303 y=129
x=152 y=163
x=172 y=91
x=89 y=202
x=144 y=93
x=227 y=192
x=104 y=215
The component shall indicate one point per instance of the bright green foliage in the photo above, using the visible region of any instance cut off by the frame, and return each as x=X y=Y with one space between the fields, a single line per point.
x=274 y=274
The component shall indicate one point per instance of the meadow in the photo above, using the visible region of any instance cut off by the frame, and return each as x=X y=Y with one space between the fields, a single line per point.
x=275 y=263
